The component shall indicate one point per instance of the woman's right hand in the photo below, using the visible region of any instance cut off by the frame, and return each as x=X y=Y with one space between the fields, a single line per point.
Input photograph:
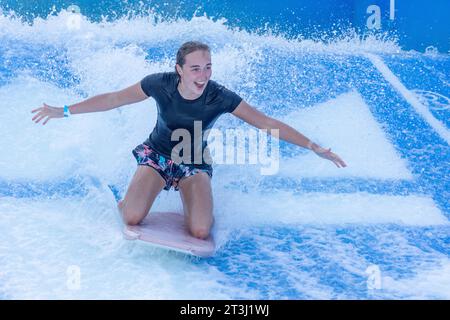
x=47 y=112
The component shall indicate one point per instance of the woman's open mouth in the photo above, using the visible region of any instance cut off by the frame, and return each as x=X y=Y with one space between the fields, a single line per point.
x=200 y=85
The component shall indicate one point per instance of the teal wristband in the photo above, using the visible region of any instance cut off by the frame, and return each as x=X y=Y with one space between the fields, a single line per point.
x=66 y=111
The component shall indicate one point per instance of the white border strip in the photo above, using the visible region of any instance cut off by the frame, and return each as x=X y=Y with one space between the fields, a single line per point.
x=437 y=125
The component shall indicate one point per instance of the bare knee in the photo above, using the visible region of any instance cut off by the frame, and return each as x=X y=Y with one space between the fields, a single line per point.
x=129 y=217
x=130 y=220
x=200 y=233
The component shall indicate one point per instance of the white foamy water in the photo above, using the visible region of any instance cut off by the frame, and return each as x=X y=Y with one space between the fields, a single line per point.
x=346 y=125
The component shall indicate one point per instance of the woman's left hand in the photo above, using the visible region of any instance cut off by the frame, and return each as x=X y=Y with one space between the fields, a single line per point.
x=327 y=154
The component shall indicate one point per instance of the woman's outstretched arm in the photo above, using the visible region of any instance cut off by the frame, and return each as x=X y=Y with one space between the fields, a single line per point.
x=256 y=118
x=98 y=103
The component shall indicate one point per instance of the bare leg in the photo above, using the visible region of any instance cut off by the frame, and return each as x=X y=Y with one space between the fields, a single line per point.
x=142 y=192
x=196 y=195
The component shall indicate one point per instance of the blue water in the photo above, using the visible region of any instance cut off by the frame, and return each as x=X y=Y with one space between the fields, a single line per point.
x=312 y=231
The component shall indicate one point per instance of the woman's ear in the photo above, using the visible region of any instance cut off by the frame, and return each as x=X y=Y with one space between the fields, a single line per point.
x=179 y=70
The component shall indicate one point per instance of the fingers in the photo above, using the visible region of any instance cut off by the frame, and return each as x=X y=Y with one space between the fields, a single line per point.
x=340 y=163
x=42 y=113
x=41 y=109
x=337 y=163
x=44 y=105
x=327 y=154
x=336 y=160
x=39 y=118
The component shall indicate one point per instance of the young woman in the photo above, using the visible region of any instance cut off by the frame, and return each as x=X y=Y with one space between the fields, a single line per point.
x=182 y=97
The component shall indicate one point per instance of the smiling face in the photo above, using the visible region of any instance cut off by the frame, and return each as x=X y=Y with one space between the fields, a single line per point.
x=194 y=74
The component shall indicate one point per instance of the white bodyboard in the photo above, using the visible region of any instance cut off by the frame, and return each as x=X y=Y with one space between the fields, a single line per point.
x=168 y=230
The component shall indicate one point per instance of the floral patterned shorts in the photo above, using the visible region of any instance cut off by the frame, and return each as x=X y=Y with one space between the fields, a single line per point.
x=171 y=172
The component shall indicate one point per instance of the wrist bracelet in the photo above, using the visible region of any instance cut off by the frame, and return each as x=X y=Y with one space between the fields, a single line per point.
x=66 y=111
